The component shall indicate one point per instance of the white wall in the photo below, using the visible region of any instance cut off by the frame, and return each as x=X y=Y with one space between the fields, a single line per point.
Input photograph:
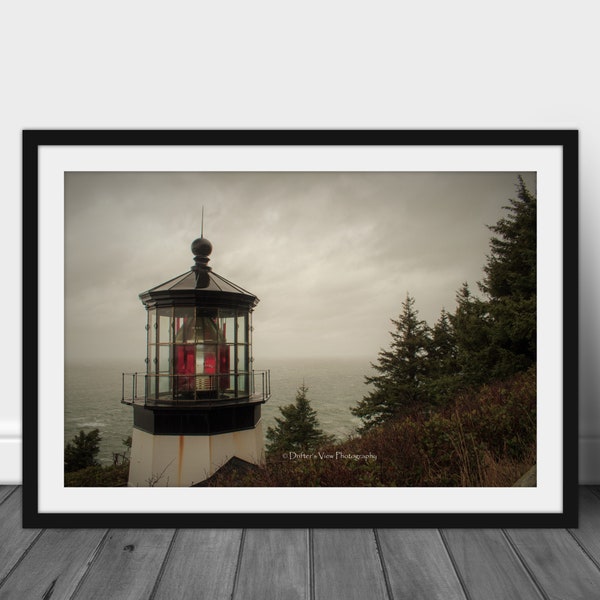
x=321 y=64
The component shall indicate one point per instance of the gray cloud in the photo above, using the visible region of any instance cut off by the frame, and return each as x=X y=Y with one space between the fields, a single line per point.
x=330 y=255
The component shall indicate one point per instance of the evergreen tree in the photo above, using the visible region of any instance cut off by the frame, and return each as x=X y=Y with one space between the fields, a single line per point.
x=298 y=430
x=496 y=336
x=510 y=284
x=511 y=266
x=402 y=369
x=476 y=354
x=442 y=357
x=82 y=450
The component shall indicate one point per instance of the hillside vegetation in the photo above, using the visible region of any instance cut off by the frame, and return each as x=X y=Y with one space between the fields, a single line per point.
x=485 y=437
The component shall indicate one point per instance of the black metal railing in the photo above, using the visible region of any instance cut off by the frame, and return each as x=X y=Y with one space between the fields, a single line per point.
x=195 y=390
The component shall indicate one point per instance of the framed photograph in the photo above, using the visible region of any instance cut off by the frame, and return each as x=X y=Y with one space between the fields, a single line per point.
x=349 y=328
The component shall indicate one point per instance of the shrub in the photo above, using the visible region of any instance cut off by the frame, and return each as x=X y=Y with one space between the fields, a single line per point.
x=99 y=476
x=82 y=450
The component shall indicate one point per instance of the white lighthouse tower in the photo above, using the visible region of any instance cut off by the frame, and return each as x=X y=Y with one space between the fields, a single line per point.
x=199 y=403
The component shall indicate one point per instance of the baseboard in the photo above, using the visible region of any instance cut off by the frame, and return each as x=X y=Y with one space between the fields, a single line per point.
x=10 y=460
x=589 y=460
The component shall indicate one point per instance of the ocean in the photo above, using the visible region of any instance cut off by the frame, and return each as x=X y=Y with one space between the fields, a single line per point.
x=93 y=396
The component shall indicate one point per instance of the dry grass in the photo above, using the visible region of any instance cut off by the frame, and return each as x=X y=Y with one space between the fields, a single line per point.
x=506 y=471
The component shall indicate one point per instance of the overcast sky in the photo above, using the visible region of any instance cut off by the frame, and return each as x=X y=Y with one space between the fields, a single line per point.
x=330 y=255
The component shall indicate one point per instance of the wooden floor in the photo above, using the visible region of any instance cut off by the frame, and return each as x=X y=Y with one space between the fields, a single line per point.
x=343 y=564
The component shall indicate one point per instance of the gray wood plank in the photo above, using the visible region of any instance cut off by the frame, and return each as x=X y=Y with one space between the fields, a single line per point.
x=277 y=563
x=418 y=565
x=54 y=565
x=5 y=491
x=347 y=565
x=201 y=564
x=127 y=565
x=15 y=539
x=588 y=532
x=274 y=565
x=488 y=566
x=557 y=563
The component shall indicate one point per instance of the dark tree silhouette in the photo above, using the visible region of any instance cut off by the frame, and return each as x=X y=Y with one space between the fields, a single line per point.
x=402 y=369
x=298 y=430
x=81 y=451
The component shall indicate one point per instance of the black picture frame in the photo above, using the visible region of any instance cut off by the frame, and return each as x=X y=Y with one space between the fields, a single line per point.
x=35 y=142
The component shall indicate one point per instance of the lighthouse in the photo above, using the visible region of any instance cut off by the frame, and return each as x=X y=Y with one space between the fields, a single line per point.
x=198 y=405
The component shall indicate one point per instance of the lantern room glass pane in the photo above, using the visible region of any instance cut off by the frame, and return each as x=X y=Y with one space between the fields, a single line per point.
x=164 y=385
x=206 y=359
x=225 y=390
x=242 y=329
x=152 y=326
x=243 y=385
x=183 y=322
x=151 y=358
x=242 y=358
x=165 y=331
x=225 y=362
x=206 y=326
x=206 y=367
x=227 y=325
x=184 y=360
x=206 y=383
x=164 y=359
x=184 y=368
x=152 y=385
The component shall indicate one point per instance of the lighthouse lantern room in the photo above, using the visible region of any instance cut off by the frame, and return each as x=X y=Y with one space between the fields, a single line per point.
x=199 y=402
